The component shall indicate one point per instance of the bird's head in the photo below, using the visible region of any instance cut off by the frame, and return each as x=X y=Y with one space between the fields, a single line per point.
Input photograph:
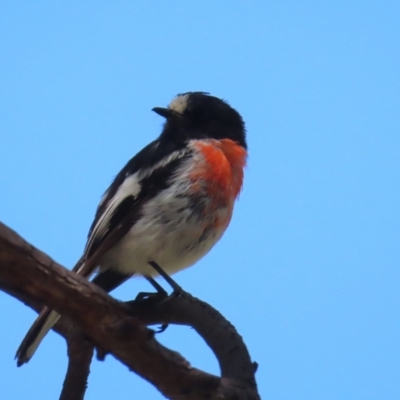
x=198 y=115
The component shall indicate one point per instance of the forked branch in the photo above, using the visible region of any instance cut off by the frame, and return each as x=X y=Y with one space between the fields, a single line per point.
x=120 y=328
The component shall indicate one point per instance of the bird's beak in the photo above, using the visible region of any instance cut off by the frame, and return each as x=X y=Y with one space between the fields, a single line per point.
x=164 y=112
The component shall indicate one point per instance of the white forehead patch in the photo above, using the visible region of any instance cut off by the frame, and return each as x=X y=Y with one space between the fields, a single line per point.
x=179 y=103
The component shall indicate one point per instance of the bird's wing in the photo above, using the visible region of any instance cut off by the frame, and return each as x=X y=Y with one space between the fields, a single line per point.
x=144 y=176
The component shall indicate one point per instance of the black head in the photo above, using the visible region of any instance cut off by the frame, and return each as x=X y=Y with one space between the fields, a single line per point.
x=197 y=115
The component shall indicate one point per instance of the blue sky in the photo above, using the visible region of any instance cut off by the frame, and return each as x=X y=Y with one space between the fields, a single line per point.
x=308 y=271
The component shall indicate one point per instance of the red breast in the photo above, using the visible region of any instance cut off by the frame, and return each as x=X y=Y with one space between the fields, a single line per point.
x=222 y=169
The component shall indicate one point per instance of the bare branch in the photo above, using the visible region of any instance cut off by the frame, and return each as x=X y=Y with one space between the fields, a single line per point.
x=33 y=277
x=80 y=353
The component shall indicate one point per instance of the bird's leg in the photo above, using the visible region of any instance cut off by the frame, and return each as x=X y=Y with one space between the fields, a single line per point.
x=160 y=292
x=176 y=288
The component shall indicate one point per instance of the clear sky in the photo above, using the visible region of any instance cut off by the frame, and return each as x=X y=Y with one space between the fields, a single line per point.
x=308 y=271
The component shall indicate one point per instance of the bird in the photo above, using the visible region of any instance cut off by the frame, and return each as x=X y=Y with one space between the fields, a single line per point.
x=169 y=205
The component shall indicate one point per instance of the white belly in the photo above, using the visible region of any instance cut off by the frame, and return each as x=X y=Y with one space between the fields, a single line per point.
x=174 y=237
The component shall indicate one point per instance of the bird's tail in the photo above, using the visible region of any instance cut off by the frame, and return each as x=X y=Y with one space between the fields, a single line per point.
x=43 y=323
x=46 y=320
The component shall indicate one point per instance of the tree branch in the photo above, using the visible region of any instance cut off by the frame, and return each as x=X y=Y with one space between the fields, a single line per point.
x=80 y=353
x=119 y=329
